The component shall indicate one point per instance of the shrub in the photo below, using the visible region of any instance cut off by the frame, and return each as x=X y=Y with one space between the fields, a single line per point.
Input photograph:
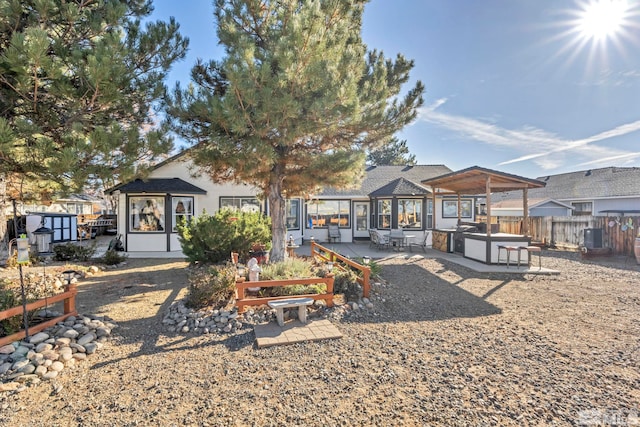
x=346 y=283
x=210 y=239
x=73 y=252
x=112 y=257
x=290 y=268
x=211 y=286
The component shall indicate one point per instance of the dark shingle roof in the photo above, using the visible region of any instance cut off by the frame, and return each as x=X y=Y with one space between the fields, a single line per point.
x=400 y=187
x=589 y=184
x=377 y=177
x=158 y=185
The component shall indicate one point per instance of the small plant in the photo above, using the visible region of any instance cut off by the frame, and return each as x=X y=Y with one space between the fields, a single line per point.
x=73 y=252
x=112 y=257
x=346 y=283
x=288 y=269
x=211 y=286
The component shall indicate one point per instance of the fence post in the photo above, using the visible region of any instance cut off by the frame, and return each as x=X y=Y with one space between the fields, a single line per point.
x=70 y=302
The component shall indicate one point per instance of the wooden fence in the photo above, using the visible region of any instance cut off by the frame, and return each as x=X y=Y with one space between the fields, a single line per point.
x=325 y=254
x=618 y=233
x=69 y=305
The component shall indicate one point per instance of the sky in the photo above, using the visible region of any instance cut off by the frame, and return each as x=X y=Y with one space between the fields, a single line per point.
x=528 y=87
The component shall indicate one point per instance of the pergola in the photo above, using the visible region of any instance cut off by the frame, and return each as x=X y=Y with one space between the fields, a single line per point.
x=477 y=180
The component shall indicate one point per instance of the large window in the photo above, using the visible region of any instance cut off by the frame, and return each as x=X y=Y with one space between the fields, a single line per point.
x=450 y=209
x=384 y=214
x=244 y=204
x=293 y=214
x=321 y=213
x=147 y=214
x=410 y=213
x=181 y=210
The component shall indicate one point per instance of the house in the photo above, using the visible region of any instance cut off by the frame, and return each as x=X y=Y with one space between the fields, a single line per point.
x=388 y=197
x=537 y=207
x=605 y=191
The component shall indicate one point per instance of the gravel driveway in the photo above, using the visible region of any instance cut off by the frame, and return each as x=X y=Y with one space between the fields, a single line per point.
x=443 y=345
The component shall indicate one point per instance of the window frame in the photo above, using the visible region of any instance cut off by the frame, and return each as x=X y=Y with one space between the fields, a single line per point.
x=419 y=216
x=187 y=213
x=158 y=213
x=339 y=216
x=466 y=210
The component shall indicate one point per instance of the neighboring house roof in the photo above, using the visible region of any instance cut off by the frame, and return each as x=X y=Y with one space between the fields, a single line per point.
x=400 y=187
x=590 y=184
x=533 y=203
x=158 y=185
x=377 y=177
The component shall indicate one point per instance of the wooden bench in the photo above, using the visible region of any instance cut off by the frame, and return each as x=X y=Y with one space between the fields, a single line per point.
x=280 y=305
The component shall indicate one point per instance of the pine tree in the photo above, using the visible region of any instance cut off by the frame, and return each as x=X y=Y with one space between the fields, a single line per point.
x=295 y=102
x=80 y=86
x=393 y=153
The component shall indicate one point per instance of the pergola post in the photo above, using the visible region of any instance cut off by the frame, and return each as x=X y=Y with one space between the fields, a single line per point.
x=525 y=211
x=488 y=189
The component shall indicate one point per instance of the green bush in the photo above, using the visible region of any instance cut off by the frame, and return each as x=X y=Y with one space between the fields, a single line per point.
x=211 y=286
x=112 y=257
x=9 y=298
x=211 y=239
x=291 y=268
x=73 y=252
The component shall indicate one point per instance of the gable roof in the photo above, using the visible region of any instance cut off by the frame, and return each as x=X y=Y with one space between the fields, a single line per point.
x=474 y=180
x=400 y=187
x=377 y=177
x=157 y=185
x=588 y=184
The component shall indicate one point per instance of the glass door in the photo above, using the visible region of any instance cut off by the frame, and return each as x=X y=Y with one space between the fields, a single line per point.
x=361 y=224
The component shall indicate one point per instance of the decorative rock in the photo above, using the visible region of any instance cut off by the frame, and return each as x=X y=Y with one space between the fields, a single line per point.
x=40 y=371
x=38 y=338
x=91 y=347
x=57 y=366
x=50 y=375
x=28 y=369
x=87 y=338
x=79 y=356
x=71 y=333
x=7 y=349
x=42 y=347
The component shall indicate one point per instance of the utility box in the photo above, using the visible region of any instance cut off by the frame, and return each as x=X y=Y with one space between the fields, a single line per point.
x=592 y=238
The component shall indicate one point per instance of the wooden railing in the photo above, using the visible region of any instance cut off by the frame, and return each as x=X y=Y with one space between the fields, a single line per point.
x=326 y=254
x=242 y=300
x=69 y=306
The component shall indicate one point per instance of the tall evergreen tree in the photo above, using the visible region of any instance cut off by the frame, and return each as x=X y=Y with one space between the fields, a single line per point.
x=80 y=85
x=393 y=153
x=294 y=103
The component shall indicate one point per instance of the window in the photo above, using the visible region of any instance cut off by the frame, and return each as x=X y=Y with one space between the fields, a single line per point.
x=429 y=213
x=244 y=204
x=181 y=210
x=409 y=213
x=384 y=214
x=450 y=208
x=146 y=213
x=582 y=208
x=321 y=213
x=293 y=214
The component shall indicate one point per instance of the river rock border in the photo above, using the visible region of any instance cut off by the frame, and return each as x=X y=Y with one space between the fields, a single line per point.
x=44 y=355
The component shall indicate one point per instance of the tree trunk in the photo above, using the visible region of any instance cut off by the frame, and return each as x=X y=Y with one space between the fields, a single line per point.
x=277 y=208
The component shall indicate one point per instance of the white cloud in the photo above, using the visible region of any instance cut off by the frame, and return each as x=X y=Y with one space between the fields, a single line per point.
x=542 y=147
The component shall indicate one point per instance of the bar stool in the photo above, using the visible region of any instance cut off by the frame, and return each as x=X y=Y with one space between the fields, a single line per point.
x=535 y=250
x=509 y=249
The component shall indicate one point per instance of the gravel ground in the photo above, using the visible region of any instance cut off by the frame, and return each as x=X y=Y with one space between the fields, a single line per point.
x=443 y=345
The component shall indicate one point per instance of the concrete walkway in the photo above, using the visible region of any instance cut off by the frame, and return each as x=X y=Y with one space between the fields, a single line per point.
x=357 y=250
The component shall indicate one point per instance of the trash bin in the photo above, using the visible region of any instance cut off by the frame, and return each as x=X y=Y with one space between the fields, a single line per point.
x=592 y=238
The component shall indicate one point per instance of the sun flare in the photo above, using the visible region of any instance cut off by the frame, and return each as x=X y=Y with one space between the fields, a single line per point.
x=601 y=19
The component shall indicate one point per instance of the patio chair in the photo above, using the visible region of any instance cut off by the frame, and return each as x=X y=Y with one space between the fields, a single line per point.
x=334 y=233
x=378 y=240
x=422 y=243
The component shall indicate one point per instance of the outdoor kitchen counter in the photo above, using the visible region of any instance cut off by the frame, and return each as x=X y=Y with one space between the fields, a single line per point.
x=483 y=248
x=443 y=239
